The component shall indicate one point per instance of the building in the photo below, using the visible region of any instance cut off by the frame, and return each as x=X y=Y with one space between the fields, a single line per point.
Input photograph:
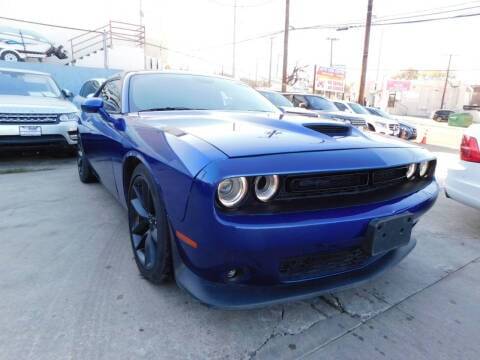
x=422 y=97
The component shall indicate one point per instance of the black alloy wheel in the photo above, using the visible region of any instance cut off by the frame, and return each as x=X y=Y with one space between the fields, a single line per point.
x=149 y=231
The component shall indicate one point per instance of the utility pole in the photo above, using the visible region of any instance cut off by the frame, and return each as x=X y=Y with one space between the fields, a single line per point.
x=234 y=36
x=314 y=78
x=331 y=49
x=285 y=46
x=270 y=65
x=446 y=80
x=361 y=92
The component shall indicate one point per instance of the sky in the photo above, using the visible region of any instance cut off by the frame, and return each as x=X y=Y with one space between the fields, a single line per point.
x=204 y=30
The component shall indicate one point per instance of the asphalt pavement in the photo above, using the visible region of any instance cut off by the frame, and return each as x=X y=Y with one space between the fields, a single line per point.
x=70 y=288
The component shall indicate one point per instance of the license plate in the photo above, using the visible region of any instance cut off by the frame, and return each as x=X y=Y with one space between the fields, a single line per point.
x=29 y=130
x=388 y=233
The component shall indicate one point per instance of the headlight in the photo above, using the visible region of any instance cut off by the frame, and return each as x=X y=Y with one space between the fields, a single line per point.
x=411 y=171
x=423 y=168
x=231 y=191
x=266 y=187
x=69 y=117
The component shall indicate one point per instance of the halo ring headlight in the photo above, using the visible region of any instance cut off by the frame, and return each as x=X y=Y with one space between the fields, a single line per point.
x=412 y=168
x=232 y=191
x=423 y=169
x=266 y=186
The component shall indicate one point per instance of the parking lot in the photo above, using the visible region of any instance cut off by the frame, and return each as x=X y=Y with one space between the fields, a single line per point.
x=71 y=290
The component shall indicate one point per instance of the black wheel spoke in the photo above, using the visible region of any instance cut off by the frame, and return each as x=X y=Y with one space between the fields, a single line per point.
x=138 y=241
x=153 y=233
x=143 y=223
x=139 y=208
x=140 y=226
x=150 y=250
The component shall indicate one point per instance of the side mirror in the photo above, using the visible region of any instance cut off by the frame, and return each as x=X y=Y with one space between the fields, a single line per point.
x=302 y=105
x=92 y=104
x=67 y=93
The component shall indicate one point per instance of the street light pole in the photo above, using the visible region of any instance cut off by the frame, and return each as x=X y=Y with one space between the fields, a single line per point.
x=331 y=49
x=234 y=36
x=446 y=81
x=285 y=46
x=361 y=92
x=270 y=65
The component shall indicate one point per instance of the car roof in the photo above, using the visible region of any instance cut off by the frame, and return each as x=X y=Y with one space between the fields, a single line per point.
x=173 y=72
x=24 y=71
x=304 y=94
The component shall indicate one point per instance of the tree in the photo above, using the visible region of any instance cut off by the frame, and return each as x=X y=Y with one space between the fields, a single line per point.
x=297 y=73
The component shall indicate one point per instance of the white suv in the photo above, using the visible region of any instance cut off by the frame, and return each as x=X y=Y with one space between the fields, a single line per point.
x=375 y=123
x=34 y=112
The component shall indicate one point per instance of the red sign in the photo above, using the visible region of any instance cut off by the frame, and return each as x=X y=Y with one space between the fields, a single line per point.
x=330 y=79
x=398 y=85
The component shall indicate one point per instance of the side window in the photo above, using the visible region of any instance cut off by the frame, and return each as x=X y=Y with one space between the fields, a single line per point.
x=111 y=96
x=86 y=89
x=298 y=99
x=341 y=106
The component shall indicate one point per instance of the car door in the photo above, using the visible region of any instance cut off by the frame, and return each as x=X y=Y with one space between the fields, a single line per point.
x=102 y=141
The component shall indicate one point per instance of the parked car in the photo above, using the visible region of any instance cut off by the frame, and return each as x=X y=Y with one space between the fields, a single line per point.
x=246 y=209
x=34 y=112
x=407 y=130
x=284 y=104
x=21 y=44
x=442 y=115
x=375 y=123
x=89 y=88
x=463 y=179
x=325 y=108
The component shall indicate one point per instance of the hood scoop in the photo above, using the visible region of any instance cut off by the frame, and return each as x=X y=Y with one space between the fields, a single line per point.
x=331 y=129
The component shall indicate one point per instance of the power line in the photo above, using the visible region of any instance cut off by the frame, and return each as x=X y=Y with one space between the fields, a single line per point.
x=242 y=6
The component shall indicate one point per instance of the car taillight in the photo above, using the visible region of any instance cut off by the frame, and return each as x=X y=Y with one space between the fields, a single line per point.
x=469 y=150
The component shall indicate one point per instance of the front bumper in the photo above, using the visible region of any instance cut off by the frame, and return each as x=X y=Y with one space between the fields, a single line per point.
x=258 y=244
x=238 y=297
x=57 y=134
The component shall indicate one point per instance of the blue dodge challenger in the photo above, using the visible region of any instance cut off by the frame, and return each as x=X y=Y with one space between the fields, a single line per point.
x=243 y=205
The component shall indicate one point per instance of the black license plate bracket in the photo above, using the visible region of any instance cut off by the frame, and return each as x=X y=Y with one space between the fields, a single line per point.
x=388 y=233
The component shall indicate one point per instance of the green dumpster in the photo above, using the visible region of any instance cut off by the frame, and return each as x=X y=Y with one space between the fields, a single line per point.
x=463 y=119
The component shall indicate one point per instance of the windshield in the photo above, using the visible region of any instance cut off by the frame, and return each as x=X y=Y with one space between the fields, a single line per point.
x=276 y=98
x=319 y=103
x=383 y=113
x=17 y=83
x=184 y=92
x=341 y=107
x=359 y=109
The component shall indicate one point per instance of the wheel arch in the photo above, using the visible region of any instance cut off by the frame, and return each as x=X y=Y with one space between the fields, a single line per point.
x=4 y=50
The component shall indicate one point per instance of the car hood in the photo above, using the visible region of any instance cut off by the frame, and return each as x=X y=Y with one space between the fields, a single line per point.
x=239 y=134
x=13 y=104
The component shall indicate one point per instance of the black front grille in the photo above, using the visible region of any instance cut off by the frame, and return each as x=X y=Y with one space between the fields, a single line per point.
x=341 y=183
x=28 y=118
x=27 y=141
x=331 y=130
x=323 y=263
x=326 y=183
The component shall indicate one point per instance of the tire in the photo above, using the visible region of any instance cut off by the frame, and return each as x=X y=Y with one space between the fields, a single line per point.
x=149 y=227
x=371 y=128
x=85 y=172
x=10 y=56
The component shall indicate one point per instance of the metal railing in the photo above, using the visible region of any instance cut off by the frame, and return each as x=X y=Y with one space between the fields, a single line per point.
x=104 y=37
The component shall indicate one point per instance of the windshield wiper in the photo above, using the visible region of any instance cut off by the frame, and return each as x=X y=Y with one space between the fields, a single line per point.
x=168 y=108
